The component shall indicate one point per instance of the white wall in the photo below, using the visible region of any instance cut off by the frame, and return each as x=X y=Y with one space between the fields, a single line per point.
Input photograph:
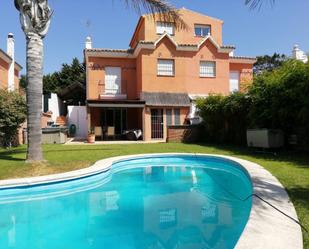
x=78 y=115
x=54 y=105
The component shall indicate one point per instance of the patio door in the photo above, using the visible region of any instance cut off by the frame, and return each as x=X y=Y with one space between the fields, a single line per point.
x=157 y=123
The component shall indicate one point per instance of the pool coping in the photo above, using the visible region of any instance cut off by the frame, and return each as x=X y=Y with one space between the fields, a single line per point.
x=266 y=228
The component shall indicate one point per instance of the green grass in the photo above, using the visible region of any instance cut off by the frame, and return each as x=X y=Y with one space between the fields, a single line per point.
x=291 y=169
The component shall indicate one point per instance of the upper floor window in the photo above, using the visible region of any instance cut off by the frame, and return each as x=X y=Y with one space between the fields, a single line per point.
x=167 y=27
x=201 y=30
x=166 y=67
x=207 y=69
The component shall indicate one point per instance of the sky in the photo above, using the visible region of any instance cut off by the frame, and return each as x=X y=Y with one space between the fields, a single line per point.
x=111 y=24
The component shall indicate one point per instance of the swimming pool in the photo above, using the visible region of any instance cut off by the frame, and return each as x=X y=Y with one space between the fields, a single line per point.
x=179 y=201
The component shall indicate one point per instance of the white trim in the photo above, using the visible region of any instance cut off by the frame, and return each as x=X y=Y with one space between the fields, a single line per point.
x=194 y=48
x=111 y=96
x=163 y=36
x=116 y=105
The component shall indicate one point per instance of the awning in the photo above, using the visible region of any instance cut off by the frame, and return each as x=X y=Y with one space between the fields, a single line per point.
x=116 y=103
x=166 y=99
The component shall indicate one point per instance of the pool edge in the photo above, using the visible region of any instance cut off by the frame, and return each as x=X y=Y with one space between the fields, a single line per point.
x=266 y=227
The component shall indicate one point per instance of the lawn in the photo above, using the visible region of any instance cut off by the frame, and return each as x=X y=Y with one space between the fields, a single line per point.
x=291 y=169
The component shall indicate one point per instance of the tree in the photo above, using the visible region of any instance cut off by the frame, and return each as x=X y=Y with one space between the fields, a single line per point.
x=35 y=17
x=254 y=4
x=68 y=75
x=268 y=63
x=12 y=115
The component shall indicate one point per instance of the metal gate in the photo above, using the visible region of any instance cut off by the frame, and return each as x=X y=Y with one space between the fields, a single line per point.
x=156 y=123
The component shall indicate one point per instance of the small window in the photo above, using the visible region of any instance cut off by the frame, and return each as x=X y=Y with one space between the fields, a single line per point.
x=202 y=30
x=207 y=69
x=166 y=67
x=167 y=27
x=177 y=116
x=169 y=120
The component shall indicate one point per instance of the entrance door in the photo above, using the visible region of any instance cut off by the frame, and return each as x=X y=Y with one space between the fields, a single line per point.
x=113 y=80
x=157 y=123
x=234 y=81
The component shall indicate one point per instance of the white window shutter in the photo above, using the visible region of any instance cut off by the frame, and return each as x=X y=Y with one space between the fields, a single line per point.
x=113 y=80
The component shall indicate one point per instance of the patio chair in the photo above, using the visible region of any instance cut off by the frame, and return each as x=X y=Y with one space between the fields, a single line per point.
x=98 y=132
x=110 y=132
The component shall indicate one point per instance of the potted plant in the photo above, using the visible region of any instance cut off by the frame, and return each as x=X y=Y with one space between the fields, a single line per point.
x=91 y=136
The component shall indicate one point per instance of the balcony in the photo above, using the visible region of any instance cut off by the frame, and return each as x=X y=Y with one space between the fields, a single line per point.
x=113 y=91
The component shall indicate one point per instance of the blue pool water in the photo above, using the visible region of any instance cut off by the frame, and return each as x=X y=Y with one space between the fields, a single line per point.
x=154 y=202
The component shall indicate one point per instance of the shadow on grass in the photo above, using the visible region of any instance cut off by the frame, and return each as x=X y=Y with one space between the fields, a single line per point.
x=299 y=158
x=300 y=195
x=10 y=154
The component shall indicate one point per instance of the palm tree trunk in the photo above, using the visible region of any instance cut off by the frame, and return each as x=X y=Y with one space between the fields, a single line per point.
x=34 y=96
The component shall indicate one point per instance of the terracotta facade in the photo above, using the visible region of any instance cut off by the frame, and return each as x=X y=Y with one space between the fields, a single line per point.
x=139 y=73
x=5 y=61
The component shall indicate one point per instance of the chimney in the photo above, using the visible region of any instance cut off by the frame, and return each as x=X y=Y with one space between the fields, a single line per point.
x=11 y=53
x=88 y=43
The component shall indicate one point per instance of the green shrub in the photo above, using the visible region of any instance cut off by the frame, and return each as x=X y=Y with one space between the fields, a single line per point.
x=12 y=115
x=225 y=118
x=278 y=99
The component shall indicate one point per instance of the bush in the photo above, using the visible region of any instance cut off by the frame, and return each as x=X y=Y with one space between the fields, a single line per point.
x=276 y=100
x=280 y=100
x=225 y=118
x=12 y=115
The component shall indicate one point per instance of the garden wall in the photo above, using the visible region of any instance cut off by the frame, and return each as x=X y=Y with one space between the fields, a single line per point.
x=183 y=133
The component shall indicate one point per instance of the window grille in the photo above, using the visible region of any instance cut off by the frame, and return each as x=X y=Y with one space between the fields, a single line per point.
x=207 y=69
x=166 y=67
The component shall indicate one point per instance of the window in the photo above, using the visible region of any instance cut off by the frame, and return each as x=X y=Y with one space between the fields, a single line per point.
x=207 y=69
x=177 y=116
x=202 y=30
x=167 y=27
x=166 y=67
x=169 y=120
x=234 y=81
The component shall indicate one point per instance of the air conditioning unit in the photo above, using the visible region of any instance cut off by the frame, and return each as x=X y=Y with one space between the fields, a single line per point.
x=265 y=138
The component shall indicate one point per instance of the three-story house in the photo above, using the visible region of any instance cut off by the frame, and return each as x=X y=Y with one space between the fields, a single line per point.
x=154 y=83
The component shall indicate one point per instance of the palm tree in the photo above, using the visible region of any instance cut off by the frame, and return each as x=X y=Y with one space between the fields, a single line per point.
x=254 y=4
x=35 y=17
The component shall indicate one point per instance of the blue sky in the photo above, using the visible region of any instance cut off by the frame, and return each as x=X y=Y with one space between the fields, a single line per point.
x=254 y=33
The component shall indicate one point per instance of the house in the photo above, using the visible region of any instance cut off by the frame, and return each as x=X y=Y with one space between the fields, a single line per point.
x=154 y=83
x=9 y=69
x=298 y=54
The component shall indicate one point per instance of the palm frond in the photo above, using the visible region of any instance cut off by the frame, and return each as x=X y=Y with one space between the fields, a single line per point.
x=257 y=4
x=163 y=8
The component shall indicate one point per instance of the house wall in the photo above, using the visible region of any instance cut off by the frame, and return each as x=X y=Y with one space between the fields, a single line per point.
x=77 y=115
x=187 y=65
x=96 y=76
x=4 y=67
x=245 y=74
x=184 y=111
x=147 y=31
x=4 y=73
x=16 y=79
x=140 y=73
x=139 y=34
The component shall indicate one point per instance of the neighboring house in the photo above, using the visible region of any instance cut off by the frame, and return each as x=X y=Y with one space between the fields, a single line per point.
x=153 y=84
x=9 y=69
x=298 y=54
